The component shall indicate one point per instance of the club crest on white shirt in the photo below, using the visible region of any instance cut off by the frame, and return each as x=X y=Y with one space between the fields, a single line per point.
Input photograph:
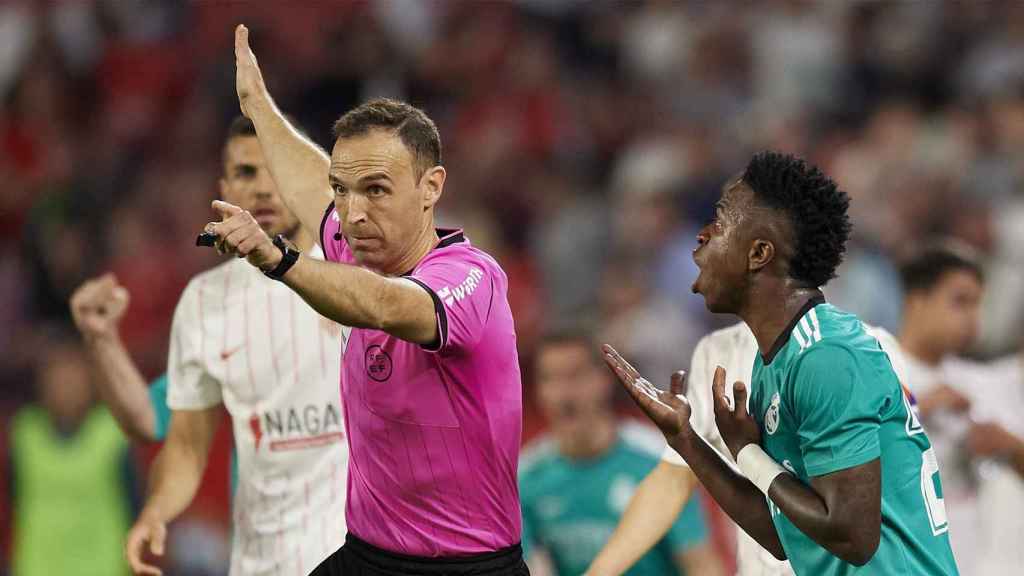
x=771 y=416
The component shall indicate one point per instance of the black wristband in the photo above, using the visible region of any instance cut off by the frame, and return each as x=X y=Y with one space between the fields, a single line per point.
x=289 y=256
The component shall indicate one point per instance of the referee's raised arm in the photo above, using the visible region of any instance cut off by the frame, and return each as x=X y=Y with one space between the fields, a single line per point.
x=297 y=165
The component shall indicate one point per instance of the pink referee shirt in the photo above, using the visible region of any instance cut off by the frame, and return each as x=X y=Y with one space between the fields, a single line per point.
x=434 y=433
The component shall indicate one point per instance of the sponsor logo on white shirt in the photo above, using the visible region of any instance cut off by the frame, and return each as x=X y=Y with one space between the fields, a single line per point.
x=297 y=427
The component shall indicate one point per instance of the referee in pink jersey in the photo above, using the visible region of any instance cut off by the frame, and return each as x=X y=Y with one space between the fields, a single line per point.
x=430 y=378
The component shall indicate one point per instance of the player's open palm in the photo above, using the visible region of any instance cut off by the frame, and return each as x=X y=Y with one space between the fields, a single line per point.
x=669 y=410
x=147 y=534
x=735 y=424
x=248 y=78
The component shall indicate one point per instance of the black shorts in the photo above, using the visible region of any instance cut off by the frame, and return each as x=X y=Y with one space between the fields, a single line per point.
x=359 y=558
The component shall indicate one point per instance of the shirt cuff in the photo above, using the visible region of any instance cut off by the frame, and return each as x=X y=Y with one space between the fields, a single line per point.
x=442 y=319
x=323 y=225
x=847 y=461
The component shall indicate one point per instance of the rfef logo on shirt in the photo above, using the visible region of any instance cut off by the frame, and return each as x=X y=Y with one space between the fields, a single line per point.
x=452 y=295
x=378 y=363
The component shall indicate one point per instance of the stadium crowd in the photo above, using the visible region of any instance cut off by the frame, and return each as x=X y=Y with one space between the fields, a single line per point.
x=586 y=144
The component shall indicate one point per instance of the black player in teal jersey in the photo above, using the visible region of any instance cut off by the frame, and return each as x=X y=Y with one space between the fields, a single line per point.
x=828 y=436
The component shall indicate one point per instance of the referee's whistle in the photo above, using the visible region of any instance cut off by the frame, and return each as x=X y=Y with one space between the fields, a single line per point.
x=206 y=239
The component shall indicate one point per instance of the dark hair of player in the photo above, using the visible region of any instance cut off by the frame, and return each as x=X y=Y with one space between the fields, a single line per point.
x=926 y=268
x=240 y=126
x=816 y=209
x=416 y=130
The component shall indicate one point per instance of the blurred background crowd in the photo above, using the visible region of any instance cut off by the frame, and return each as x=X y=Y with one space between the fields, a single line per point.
x=585 y=145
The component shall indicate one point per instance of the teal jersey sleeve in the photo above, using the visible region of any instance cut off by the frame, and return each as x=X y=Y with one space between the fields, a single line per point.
x=836 y=406
x=158 y=399
x=690 y=528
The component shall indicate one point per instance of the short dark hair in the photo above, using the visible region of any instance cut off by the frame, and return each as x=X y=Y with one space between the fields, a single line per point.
x=240 y=126
x=816 y=207
x=571 y=335
x=923 y=270
x=412 y=125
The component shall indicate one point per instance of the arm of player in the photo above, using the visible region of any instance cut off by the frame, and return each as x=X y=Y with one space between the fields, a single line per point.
x=992 y=440
x=838 y=435
x=346 y=294
x=942 y=397
x=700 y=559
x=655 y=505
x=96 y=307
x=841 y=511
x=174 y=480
x=298 y=166
x=737 y=495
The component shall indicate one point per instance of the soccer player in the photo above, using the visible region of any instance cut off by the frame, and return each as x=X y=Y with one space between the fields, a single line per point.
x=663 y=493
x=431 y=384
x=243 y=341
x=960 y=402
x=838 y=475
x=576 y=480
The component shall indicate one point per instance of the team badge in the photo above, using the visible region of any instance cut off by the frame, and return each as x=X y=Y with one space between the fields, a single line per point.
x=771 y=416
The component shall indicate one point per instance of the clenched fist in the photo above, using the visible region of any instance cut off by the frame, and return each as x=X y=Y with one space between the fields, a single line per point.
x=97 y=306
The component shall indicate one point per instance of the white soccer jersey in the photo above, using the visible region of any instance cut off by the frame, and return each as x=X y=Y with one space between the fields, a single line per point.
x=251 y=343
x=734 y=349
x=1000 y=488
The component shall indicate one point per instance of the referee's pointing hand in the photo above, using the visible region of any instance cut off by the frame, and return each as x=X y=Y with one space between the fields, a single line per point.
x=240 y=235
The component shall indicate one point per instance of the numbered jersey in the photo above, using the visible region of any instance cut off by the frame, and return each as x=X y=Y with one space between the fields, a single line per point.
x=826 y=398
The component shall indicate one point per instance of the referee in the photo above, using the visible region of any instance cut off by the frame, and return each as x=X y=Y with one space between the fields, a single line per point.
x=430 y=379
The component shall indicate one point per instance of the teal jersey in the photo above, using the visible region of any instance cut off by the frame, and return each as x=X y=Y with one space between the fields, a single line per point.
x=826 y=398
x=158 y=398
x=571 y=507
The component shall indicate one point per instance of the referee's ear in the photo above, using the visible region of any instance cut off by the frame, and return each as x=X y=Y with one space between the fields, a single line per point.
x=432 y=184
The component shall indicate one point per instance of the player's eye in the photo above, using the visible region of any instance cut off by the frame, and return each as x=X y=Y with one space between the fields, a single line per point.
x=375 y=190
x=339 y=190
x=245 y=171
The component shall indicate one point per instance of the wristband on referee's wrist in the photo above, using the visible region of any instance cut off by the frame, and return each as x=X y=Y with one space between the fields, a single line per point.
x=758 y=466
x=289 y=256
